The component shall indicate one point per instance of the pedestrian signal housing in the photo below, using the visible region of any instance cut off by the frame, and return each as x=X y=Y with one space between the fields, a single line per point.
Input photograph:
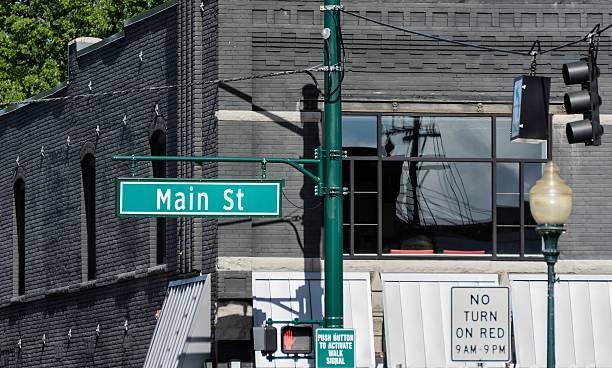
x=264 y=339
x=296 y=339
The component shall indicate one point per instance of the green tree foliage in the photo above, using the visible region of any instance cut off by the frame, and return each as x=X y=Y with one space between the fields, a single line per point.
x=34 y=35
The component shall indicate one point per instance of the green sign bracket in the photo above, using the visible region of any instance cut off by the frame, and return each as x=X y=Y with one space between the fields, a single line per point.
x=270 y=322
x=289 y=357
x=296 y=163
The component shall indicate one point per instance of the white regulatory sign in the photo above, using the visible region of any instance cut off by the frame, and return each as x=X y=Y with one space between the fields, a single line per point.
x=480 y=324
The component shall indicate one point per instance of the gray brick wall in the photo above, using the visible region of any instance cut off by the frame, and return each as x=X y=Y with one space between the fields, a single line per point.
x=586 y=171
x=298 y=232
x=387 y=64
x=128 y=285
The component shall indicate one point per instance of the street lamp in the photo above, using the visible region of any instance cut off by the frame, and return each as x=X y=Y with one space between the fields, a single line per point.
x=550 y=200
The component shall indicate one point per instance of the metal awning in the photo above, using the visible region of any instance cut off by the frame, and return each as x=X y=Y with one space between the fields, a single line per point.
x=182 y=335
x=583 y=320
x=417 y=317
x=290 y=295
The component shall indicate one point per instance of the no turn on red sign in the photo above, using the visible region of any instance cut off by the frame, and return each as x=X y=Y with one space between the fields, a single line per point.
x=480 y=324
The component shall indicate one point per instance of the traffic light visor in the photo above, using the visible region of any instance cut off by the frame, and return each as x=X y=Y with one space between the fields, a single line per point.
x=576 y=72
x=579 y=131
x=577 y=102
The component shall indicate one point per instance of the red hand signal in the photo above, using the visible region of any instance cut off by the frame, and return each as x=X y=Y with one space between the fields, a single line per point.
x=288 y=339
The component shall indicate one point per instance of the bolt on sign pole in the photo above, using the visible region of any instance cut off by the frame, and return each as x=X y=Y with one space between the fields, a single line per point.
x=333 y=169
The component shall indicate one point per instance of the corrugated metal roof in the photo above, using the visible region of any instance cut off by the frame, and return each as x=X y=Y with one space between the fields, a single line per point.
x=182 y=336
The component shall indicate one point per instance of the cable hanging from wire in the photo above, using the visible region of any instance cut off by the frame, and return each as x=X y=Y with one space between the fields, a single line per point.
x=596 y=31
x=307 y=71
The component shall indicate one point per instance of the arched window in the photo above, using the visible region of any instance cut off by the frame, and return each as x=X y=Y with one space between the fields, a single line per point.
x=88 y=172
x=158 y=148
x=19 y=194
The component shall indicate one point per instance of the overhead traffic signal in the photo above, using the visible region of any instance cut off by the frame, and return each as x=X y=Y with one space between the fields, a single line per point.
x=586 y=101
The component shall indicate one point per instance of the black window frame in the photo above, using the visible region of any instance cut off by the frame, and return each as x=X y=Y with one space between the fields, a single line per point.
x=88 y=176
x=159 y=171
x=19 y=198
x=493 y=160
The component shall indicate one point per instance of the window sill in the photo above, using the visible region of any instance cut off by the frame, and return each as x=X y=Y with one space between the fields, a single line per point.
x=17 y=299
x=41 y=293
x=157 y=269
x=125 y=276
x=90 y=284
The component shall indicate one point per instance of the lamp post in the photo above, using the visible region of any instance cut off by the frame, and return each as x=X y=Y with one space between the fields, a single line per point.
x=550 y=200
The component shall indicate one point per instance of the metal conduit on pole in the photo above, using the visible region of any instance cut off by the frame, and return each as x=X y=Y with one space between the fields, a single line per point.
x=332 y=154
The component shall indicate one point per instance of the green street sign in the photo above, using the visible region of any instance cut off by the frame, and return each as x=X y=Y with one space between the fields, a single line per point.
x=198 y=197
x=335 y=348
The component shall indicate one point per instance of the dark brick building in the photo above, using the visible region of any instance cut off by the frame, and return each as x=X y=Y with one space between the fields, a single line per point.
x=454 y=212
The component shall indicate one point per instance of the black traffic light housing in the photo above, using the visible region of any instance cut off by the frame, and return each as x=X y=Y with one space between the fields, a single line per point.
x=586 y=101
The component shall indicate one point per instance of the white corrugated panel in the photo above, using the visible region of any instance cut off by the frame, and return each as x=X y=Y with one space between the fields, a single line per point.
x=583 y=320
x=417 y=317
x=290 y=295
x=182 y=335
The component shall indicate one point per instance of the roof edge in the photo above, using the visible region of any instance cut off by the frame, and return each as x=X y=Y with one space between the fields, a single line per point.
x=47 y=93
x=98 y=45
x=149 y=13
x=187 y=281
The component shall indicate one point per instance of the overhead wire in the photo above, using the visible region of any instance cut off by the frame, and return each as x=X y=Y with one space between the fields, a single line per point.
x=473 y=45
x=307 y=71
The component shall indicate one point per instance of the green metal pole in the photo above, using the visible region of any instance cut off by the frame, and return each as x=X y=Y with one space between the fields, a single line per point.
x=333 y=171
x=551 y=234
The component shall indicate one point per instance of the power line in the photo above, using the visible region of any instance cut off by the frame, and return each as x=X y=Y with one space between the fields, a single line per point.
x=308 y=71
x=473 y=45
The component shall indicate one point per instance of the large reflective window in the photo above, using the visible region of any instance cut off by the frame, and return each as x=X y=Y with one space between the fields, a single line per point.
x=444 y=207
x=507 y=149
x=435 y=136
x=533 y=172
x=507 y=194
x=361 y=207
x=359 y=135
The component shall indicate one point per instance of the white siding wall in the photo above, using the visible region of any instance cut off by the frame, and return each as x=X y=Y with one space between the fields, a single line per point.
x=583 y=320
x=417 y=317
x=290 y=295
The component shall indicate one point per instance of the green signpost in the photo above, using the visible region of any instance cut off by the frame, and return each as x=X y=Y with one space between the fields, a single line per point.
x=335 y=348
x=198 y=197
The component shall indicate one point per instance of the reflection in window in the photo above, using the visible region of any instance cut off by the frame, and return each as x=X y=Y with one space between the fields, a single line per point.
x=533 y=172
x=361 y=207
x=424 y=184
x=435 y=136
x=507 y=194
x=436 y=205
x=507 y=149
x=359 y=135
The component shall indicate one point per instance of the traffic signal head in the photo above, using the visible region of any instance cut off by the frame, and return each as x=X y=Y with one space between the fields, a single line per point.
x=296 y=339
x=585 y=102
x=576 y=72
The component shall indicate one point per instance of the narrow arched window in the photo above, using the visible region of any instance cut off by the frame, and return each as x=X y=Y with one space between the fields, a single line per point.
x=88 y=172
x=158 y=148
x=19 y=194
